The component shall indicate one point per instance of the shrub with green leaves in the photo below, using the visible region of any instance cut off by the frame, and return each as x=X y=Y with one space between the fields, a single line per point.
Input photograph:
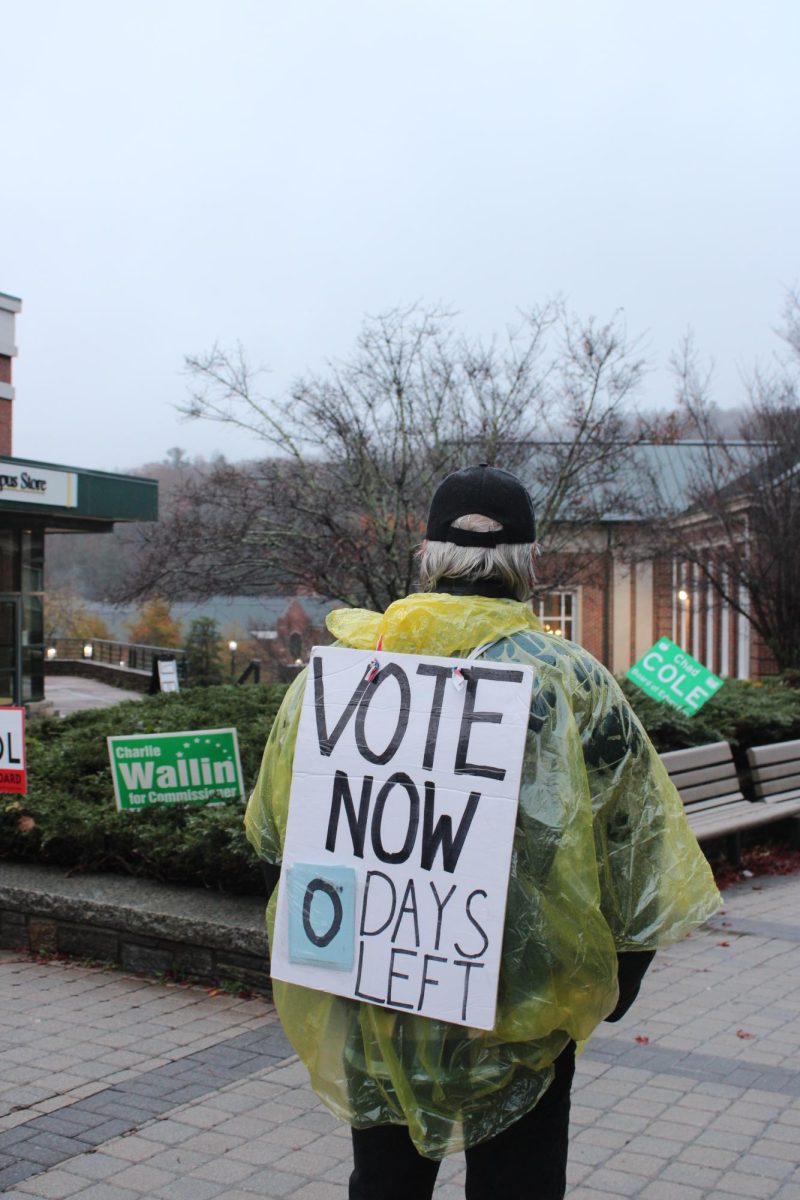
x=75 y=822
x=71 y=795
x=744 y=712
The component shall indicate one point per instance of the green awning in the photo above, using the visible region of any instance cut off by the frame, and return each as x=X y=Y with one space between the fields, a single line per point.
x=72 y=498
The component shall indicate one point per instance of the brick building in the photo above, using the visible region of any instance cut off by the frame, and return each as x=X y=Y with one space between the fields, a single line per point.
x=623 y=597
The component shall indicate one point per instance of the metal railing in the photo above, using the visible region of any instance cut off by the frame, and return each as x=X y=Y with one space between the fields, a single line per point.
x=133 y=656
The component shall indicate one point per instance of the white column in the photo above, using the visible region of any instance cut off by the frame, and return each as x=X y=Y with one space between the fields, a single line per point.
x=675 y=601
x=621 y=632
x=743 y=639
x=725 y=632
x=685 y=586
x=644 y=631
x=709 y=661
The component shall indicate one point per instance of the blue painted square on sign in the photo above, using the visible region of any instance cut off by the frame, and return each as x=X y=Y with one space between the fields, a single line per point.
x=322 y=916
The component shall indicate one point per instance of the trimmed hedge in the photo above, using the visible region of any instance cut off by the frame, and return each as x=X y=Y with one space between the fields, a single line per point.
x=76 y=824
x=71 y=796
x=744 y=712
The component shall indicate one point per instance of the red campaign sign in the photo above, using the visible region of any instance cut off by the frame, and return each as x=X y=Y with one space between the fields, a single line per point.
x=13 y=777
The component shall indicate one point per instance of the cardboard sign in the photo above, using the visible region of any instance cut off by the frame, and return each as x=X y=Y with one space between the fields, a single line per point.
x=13 y=777
x=168 y=675
x=671 y=676
x=401 y=822
x=198 y=766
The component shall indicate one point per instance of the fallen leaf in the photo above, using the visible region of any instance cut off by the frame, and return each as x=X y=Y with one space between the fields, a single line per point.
x=742 y=1033
x=723 y=943
x=642 y=1040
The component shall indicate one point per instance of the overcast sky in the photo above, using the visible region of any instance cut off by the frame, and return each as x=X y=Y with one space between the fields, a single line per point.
x=183 y=171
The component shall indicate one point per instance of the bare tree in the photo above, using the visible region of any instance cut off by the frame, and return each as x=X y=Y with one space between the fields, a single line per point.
x=741 y=527
x=337 y=505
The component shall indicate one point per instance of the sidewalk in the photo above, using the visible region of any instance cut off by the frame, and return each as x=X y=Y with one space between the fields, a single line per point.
x=72 y=693
x=116 y=1088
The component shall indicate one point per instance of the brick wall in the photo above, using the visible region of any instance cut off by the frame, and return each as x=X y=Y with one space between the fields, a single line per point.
x=592 y=630
x=5 y=407
x=192 y=959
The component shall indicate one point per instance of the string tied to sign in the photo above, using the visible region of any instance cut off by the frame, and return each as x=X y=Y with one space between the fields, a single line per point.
x=459 y=678
x=373 y=667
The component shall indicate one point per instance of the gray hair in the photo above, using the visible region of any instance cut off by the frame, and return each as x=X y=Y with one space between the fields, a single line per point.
x=510 y=563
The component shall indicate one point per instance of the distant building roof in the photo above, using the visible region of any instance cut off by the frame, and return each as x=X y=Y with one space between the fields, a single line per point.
x=250 y=613
x=666 y=472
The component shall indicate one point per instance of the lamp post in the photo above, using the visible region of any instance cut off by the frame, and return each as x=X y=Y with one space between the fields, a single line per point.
x=233 y=647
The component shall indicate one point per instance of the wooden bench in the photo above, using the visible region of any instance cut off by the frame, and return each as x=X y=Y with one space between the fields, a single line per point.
x=706 y=779
x=775 y=773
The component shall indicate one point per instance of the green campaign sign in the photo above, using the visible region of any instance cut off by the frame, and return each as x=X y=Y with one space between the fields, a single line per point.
x=198 y=766
x=672 y=676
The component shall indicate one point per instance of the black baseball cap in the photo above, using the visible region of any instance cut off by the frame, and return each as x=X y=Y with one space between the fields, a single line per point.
x=490 y=491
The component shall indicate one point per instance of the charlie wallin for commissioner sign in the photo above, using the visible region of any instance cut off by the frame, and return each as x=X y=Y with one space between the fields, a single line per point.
x=401 y=822
x=197 y=766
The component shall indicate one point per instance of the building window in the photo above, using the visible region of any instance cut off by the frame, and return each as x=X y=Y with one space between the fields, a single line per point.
x=557 y=612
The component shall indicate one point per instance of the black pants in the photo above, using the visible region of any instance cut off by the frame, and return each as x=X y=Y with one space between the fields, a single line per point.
x=528 y=1161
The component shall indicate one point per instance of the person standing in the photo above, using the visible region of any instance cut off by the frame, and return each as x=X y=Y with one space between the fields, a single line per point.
x=604 y=871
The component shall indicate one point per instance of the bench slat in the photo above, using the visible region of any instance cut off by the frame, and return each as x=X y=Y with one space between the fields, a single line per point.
x=735 y=820
x=697 y=756
x=724 y=772
x=777 y=787
x=706 y=790
x=758 y=756
x=783 y=770
x=787 y=800
x=716 y=802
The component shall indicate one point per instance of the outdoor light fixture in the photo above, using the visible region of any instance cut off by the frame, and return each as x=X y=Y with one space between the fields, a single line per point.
x=233 y=647
x=683 y=595
x=88 y=650
x=51 y=652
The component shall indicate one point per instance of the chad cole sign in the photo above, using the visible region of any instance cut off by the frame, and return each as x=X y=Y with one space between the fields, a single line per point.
x=199 y=766
x=401 y=822
x=672 y=676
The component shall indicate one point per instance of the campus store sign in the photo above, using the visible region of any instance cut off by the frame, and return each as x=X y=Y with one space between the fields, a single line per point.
x=197 y=766
x=401 y=821
x=25 y=483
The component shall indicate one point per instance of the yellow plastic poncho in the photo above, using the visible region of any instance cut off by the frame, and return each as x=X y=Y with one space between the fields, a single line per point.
x=603 y=860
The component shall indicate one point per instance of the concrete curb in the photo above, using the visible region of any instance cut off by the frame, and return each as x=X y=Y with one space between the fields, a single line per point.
x=142 y=925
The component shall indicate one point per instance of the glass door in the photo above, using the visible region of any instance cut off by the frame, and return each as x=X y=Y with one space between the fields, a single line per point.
x=10 y=650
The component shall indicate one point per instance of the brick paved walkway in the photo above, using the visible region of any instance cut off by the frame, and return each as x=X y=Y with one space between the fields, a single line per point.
x=114 y=1088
